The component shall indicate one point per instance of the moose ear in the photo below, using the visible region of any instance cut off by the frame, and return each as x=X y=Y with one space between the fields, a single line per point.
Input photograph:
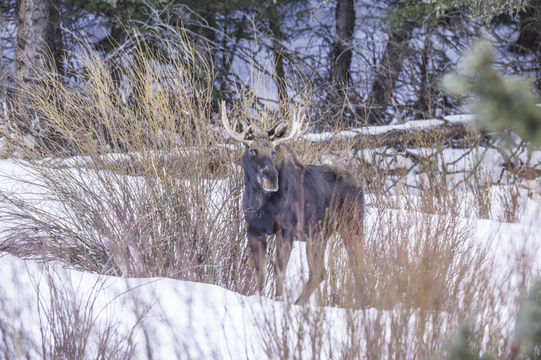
x=241 y=125
x=277 y=131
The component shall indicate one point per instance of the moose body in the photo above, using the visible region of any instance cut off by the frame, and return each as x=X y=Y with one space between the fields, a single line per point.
x=292 y=201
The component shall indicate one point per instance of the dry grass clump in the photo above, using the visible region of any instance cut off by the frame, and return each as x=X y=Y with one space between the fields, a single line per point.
x=70 y=328
x=15 y=342
x=146 y=191
x=425 y=273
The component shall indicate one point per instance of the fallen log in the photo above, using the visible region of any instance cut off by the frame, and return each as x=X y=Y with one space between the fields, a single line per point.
x=413 y=133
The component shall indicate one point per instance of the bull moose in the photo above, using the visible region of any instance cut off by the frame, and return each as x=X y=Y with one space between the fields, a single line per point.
x=293 y=201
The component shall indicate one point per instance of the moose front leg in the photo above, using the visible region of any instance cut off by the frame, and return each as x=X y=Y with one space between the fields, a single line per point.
x=283 y=242
x=258 y=246
x=315 y=256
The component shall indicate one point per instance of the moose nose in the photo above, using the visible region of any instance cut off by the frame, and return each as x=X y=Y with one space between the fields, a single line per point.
x=269 y=179
x=270 y=185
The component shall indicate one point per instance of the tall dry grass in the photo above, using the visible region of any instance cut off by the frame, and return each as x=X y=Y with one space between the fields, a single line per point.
x=426 y=273
x=134 y=186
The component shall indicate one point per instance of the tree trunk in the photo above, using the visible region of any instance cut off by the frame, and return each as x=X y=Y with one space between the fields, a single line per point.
x=341 y=55
x=530 y=31
x=277 y=51
x=55 y=38
x=424 y=101
x=387 y=73
x=38 y=52
x=35 y=35
x=529 y=39
x=204 y=39
x=204 y=44
x=3 y=74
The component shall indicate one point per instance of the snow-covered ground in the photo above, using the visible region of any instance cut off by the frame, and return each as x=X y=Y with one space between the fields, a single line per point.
x=181 y=319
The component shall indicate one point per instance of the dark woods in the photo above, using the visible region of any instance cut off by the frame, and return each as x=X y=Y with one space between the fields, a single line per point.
x=366 y=61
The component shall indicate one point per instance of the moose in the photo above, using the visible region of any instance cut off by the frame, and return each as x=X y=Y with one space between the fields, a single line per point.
x=293 y=201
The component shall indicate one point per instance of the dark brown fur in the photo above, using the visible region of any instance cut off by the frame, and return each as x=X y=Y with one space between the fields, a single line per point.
x=302 y=202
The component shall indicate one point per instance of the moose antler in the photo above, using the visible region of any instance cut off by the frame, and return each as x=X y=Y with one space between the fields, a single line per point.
x=234 y=134
x=296 y=129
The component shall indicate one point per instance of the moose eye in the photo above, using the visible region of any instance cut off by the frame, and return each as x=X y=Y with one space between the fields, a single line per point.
x=253 y=152
x=273 y=154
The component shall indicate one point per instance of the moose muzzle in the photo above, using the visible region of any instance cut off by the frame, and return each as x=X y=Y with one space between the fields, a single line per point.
x=268 y=179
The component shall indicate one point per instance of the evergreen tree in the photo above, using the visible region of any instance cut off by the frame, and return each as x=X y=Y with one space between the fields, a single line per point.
x=528 y=327
x=501 y=103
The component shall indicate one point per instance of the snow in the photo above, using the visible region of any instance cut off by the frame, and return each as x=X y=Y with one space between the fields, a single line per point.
x=461 y=118
x=188 y=319
x=182 y=319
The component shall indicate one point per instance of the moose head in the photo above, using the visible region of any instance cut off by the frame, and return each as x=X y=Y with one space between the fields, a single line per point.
x=259 y=160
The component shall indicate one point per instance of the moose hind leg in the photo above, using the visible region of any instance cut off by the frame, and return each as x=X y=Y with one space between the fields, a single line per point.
x=353 y=238
x=354 y=250
x=315 y=255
